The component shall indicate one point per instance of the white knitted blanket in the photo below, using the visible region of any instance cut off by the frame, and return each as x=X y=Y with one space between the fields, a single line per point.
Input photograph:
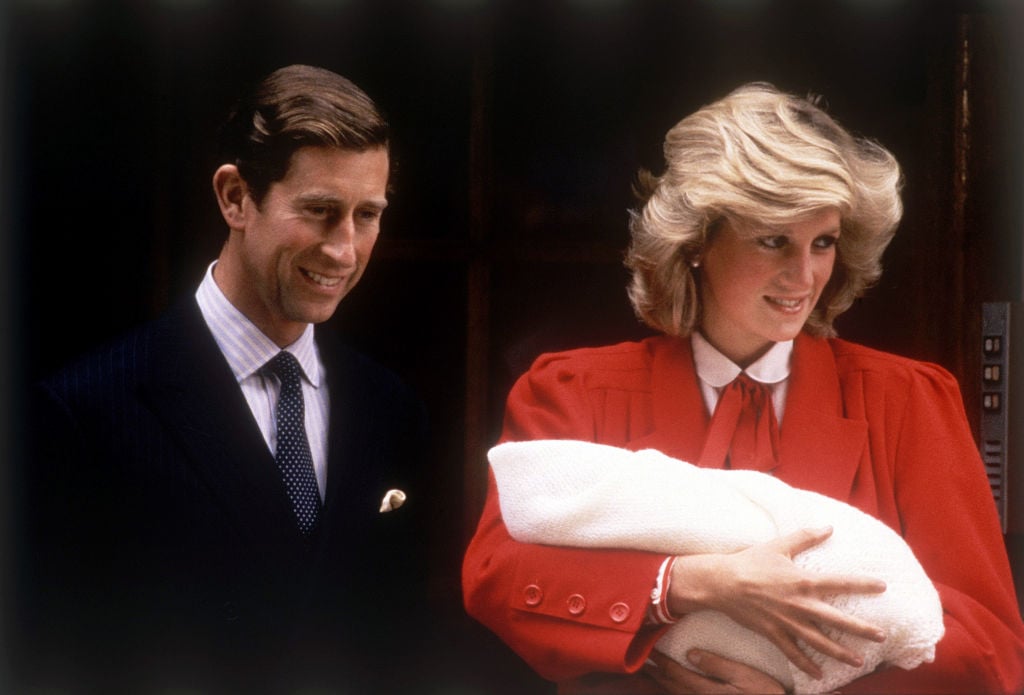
x=580 y=494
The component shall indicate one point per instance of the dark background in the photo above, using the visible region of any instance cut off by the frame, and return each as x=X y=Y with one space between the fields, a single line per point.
x=519 y=128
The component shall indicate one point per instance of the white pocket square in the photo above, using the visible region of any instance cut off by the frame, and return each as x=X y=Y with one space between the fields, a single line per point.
x=393 y=499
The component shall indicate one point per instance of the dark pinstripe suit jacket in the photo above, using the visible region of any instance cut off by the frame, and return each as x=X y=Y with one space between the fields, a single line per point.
x=158 y=548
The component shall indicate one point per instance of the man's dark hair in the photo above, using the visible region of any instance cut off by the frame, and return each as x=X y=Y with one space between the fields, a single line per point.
x=294 y=107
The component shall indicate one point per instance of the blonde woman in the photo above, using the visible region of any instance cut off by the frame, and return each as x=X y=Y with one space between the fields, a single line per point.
x=769 y=220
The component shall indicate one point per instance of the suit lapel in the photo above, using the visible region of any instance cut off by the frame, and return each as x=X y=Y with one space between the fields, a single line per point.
x=349 y=502
x=820 y=448
x=194 y=393
x=680 y=418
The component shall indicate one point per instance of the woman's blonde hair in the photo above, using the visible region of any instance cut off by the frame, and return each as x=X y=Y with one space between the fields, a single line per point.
x=768 y=158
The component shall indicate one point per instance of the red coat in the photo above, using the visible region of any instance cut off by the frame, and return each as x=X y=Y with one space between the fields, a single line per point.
x=881 y=432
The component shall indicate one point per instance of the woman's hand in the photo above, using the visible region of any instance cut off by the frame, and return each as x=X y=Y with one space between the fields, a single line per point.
x=722 y=676
x=762 y=589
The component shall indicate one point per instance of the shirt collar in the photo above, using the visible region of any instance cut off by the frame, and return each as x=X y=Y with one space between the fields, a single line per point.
x=717 y=370
x=245 y=347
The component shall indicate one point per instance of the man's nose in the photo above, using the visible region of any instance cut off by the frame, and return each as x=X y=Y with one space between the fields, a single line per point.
x=340 y=242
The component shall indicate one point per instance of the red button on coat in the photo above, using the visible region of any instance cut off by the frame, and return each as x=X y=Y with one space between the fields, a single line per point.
x=577 y=604
x=619 y=612
x=533 y=595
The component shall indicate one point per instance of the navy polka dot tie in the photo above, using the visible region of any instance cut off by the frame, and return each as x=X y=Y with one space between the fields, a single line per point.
x=293 y=457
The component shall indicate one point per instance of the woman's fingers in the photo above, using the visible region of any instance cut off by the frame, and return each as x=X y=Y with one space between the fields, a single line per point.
x=763 y=589
x=831 y=584
x=788 y=646
x=788 y=631
x=820 y=642
x=826 y=615
x=720 y=675
x=795 y=612
x=797 y=542
x=816 y=588
x=676 y=679
x=745 y=678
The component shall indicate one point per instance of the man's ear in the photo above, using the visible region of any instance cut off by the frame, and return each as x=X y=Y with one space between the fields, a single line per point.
x=231 y=191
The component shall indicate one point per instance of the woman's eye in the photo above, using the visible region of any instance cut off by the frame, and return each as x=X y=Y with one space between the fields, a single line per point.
x=826 y=242
x=772 y=242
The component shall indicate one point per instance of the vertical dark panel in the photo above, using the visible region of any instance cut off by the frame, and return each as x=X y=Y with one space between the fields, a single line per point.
x=967 y=312
x=478 y=307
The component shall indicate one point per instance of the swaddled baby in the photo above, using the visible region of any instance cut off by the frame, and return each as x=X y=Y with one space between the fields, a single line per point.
x=581 y=494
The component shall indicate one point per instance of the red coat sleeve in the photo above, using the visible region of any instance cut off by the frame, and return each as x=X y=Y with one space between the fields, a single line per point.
x=947 y=517
x=565 y=611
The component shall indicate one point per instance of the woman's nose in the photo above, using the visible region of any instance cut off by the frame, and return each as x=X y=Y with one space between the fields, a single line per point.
x=800 y=267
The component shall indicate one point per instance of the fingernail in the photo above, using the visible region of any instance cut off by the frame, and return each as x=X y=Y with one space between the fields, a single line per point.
x=652 y=663
x=694 y=658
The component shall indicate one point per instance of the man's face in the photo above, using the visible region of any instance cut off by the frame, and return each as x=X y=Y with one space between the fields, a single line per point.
x=307 y=244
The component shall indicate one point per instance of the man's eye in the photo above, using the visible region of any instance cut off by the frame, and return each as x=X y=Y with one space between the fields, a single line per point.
x=369 y=215
x=318 y=210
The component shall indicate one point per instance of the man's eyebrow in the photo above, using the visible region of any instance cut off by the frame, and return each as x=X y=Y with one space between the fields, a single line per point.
x=318 y=198
x=329 y=199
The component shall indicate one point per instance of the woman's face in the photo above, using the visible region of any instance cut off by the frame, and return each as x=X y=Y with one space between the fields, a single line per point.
x=759 y=284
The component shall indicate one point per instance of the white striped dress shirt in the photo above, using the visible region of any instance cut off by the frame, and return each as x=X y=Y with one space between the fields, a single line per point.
x=247 y=350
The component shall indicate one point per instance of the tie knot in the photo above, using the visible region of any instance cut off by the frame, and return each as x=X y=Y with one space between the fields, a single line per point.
x=748 y=383
x=285 y=366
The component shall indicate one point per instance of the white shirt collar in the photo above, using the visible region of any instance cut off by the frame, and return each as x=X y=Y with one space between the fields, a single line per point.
x=245 y=347
x=717 y=370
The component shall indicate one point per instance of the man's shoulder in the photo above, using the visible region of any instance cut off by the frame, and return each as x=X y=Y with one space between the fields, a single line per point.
x=118 y=356
x=124 y=360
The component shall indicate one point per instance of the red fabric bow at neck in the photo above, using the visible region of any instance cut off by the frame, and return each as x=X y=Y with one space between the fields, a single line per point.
x=744 y=431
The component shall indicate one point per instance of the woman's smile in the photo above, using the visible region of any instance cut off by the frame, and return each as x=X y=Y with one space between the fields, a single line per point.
x=760 y=286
